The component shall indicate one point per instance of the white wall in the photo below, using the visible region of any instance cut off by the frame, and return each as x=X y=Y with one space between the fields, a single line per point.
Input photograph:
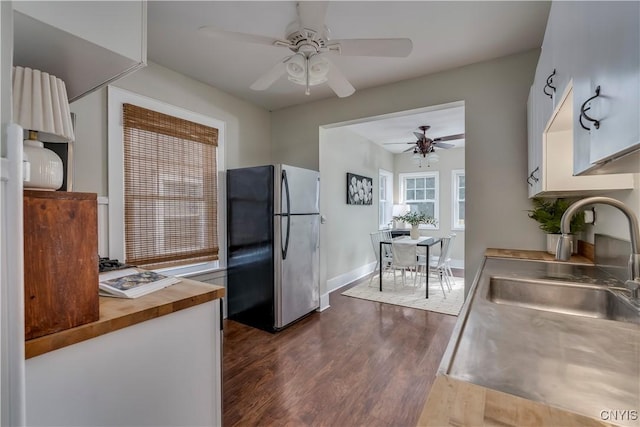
x=495 y=94
x=611 y=221
x=343 y=151
x=246 y=126
x=449 y=160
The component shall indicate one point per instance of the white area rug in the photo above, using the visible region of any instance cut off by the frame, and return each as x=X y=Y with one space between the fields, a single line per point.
x=409 y=296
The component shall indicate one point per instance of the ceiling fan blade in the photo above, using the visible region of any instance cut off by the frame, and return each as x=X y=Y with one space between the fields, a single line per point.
x=312 y=14
x=372 y=47
x=420 y=136
x=338 y=82
x=270 y=77
x=443 y=145
x=408 y=149
x=392 y=143
x=241 y=37
x=449 y=138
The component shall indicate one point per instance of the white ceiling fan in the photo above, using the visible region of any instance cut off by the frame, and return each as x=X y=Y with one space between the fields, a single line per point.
x=308 y=39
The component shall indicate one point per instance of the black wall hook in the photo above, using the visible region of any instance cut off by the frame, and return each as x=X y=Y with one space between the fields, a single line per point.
x=583 y=112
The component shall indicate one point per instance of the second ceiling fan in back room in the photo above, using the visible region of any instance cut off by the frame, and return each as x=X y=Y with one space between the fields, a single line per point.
x=308 y=38
x=425 y=146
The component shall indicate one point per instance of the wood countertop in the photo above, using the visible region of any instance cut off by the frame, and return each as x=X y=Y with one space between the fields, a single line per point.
x=118 y=313
x=457 y=403
x=533 y=255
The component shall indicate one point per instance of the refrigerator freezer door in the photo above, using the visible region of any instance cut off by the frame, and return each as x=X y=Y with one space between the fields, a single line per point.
x=297 y=278
x=250 y=246
x=304 y=190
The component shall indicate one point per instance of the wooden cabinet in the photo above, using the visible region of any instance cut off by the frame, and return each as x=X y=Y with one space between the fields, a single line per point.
x=582 y=50
x=60 y=261
x=86 y=44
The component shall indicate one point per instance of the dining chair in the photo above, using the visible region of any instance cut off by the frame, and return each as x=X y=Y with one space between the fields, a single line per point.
x=376 y=238
x=437 y=267
x=404 y=257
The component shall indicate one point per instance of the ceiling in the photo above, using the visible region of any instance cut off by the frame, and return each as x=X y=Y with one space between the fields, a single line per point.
x=444 y=34
x=389 y=131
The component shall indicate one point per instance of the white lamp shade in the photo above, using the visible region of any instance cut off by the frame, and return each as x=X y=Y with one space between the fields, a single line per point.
x=433 y=158
x=40 y=103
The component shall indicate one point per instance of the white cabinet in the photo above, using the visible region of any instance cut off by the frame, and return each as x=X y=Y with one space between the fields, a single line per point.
x=586 y=45
x=613 y=37
x=85 y=43
x=163 y=371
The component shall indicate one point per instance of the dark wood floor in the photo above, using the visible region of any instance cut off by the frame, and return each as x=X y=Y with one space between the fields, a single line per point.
x=359 y=363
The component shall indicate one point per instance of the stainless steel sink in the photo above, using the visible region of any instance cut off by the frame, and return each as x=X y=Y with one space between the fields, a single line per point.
x=560 y=297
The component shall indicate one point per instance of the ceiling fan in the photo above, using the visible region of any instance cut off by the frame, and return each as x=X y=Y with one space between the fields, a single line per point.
x=425 y=145
x=308 y=38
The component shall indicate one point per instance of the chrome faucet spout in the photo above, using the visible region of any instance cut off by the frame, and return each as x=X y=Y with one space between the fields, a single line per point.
x=564 y=247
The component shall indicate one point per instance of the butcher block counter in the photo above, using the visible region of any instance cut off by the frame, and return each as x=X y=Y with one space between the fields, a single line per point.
x=533 y=255
x=118 y=313
x=152 y=360
x=458 y=403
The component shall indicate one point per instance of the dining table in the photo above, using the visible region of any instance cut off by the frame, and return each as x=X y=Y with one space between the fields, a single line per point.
x=423 y=241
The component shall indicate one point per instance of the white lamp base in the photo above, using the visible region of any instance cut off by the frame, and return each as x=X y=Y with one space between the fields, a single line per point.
x=45 y=167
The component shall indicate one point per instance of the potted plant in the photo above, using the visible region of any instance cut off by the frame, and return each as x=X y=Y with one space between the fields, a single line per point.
x=415 y=219
x=549 y=213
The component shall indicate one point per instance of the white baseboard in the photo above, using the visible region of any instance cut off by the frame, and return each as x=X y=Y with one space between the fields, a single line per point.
x=457 y=263
x=338 y=282
x=324 y=302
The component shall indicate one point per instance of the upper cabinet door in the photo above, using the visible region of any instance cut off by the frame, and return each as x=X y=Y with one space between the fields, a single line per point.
x=563 y=38
x=613 y=38
x=87 y=44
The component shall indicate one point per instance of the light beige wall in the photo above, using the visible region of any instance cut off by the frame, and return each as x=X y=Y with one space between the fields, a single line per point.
x=343 y=151
x=495 y=94
x=246 y=127
x=246 y=124
x=449 y=160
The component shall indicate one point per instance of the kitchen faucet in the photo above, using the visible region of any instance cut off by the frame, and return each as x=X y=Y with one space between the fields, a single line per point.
x=563 y=251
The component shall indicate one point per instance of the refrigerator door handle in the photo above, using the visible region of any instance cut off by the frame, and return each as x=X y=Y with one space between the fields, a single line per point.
x=284 y=181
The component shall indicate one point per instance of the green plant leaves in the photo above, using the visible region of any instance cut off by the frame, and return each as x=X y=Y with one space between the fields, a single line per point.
x=549 y=213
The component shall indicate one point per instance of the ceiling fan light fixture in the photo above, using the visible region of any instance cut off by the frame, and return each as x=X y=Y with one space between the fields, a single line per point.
x=318 y=67
x=296 y=67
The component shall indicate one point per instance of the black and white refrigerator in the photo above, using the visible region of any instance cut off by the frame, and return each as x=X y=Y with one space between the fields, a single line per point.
x=273 y=233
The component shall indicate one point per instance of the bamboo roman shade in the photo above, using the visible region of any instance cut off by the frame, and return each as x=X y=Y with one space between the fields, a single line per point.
x=170 y=189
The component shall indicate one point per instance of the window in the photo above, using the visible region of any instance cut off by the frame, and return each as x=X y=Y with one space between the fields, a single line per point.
x=458 y=186
x=420 y=192
x=163 y=193
x=386 y=198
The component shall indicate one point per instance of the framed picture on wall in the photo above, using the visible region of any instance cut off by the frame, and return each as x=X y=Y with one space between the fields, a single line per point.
x=359 y=190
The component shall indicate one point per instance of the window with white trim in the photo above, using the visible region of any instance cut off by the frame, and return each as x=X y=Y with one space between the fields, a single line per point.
x=386 y=198
x=181 y=219
x=421 y=192
x=458 y=198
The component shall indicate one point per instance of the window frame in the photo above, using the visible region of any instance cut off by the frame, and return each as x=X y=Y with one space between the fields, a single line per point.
x=116 y=97
x=436 y=208
x=389 y=198
x=455 y=199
